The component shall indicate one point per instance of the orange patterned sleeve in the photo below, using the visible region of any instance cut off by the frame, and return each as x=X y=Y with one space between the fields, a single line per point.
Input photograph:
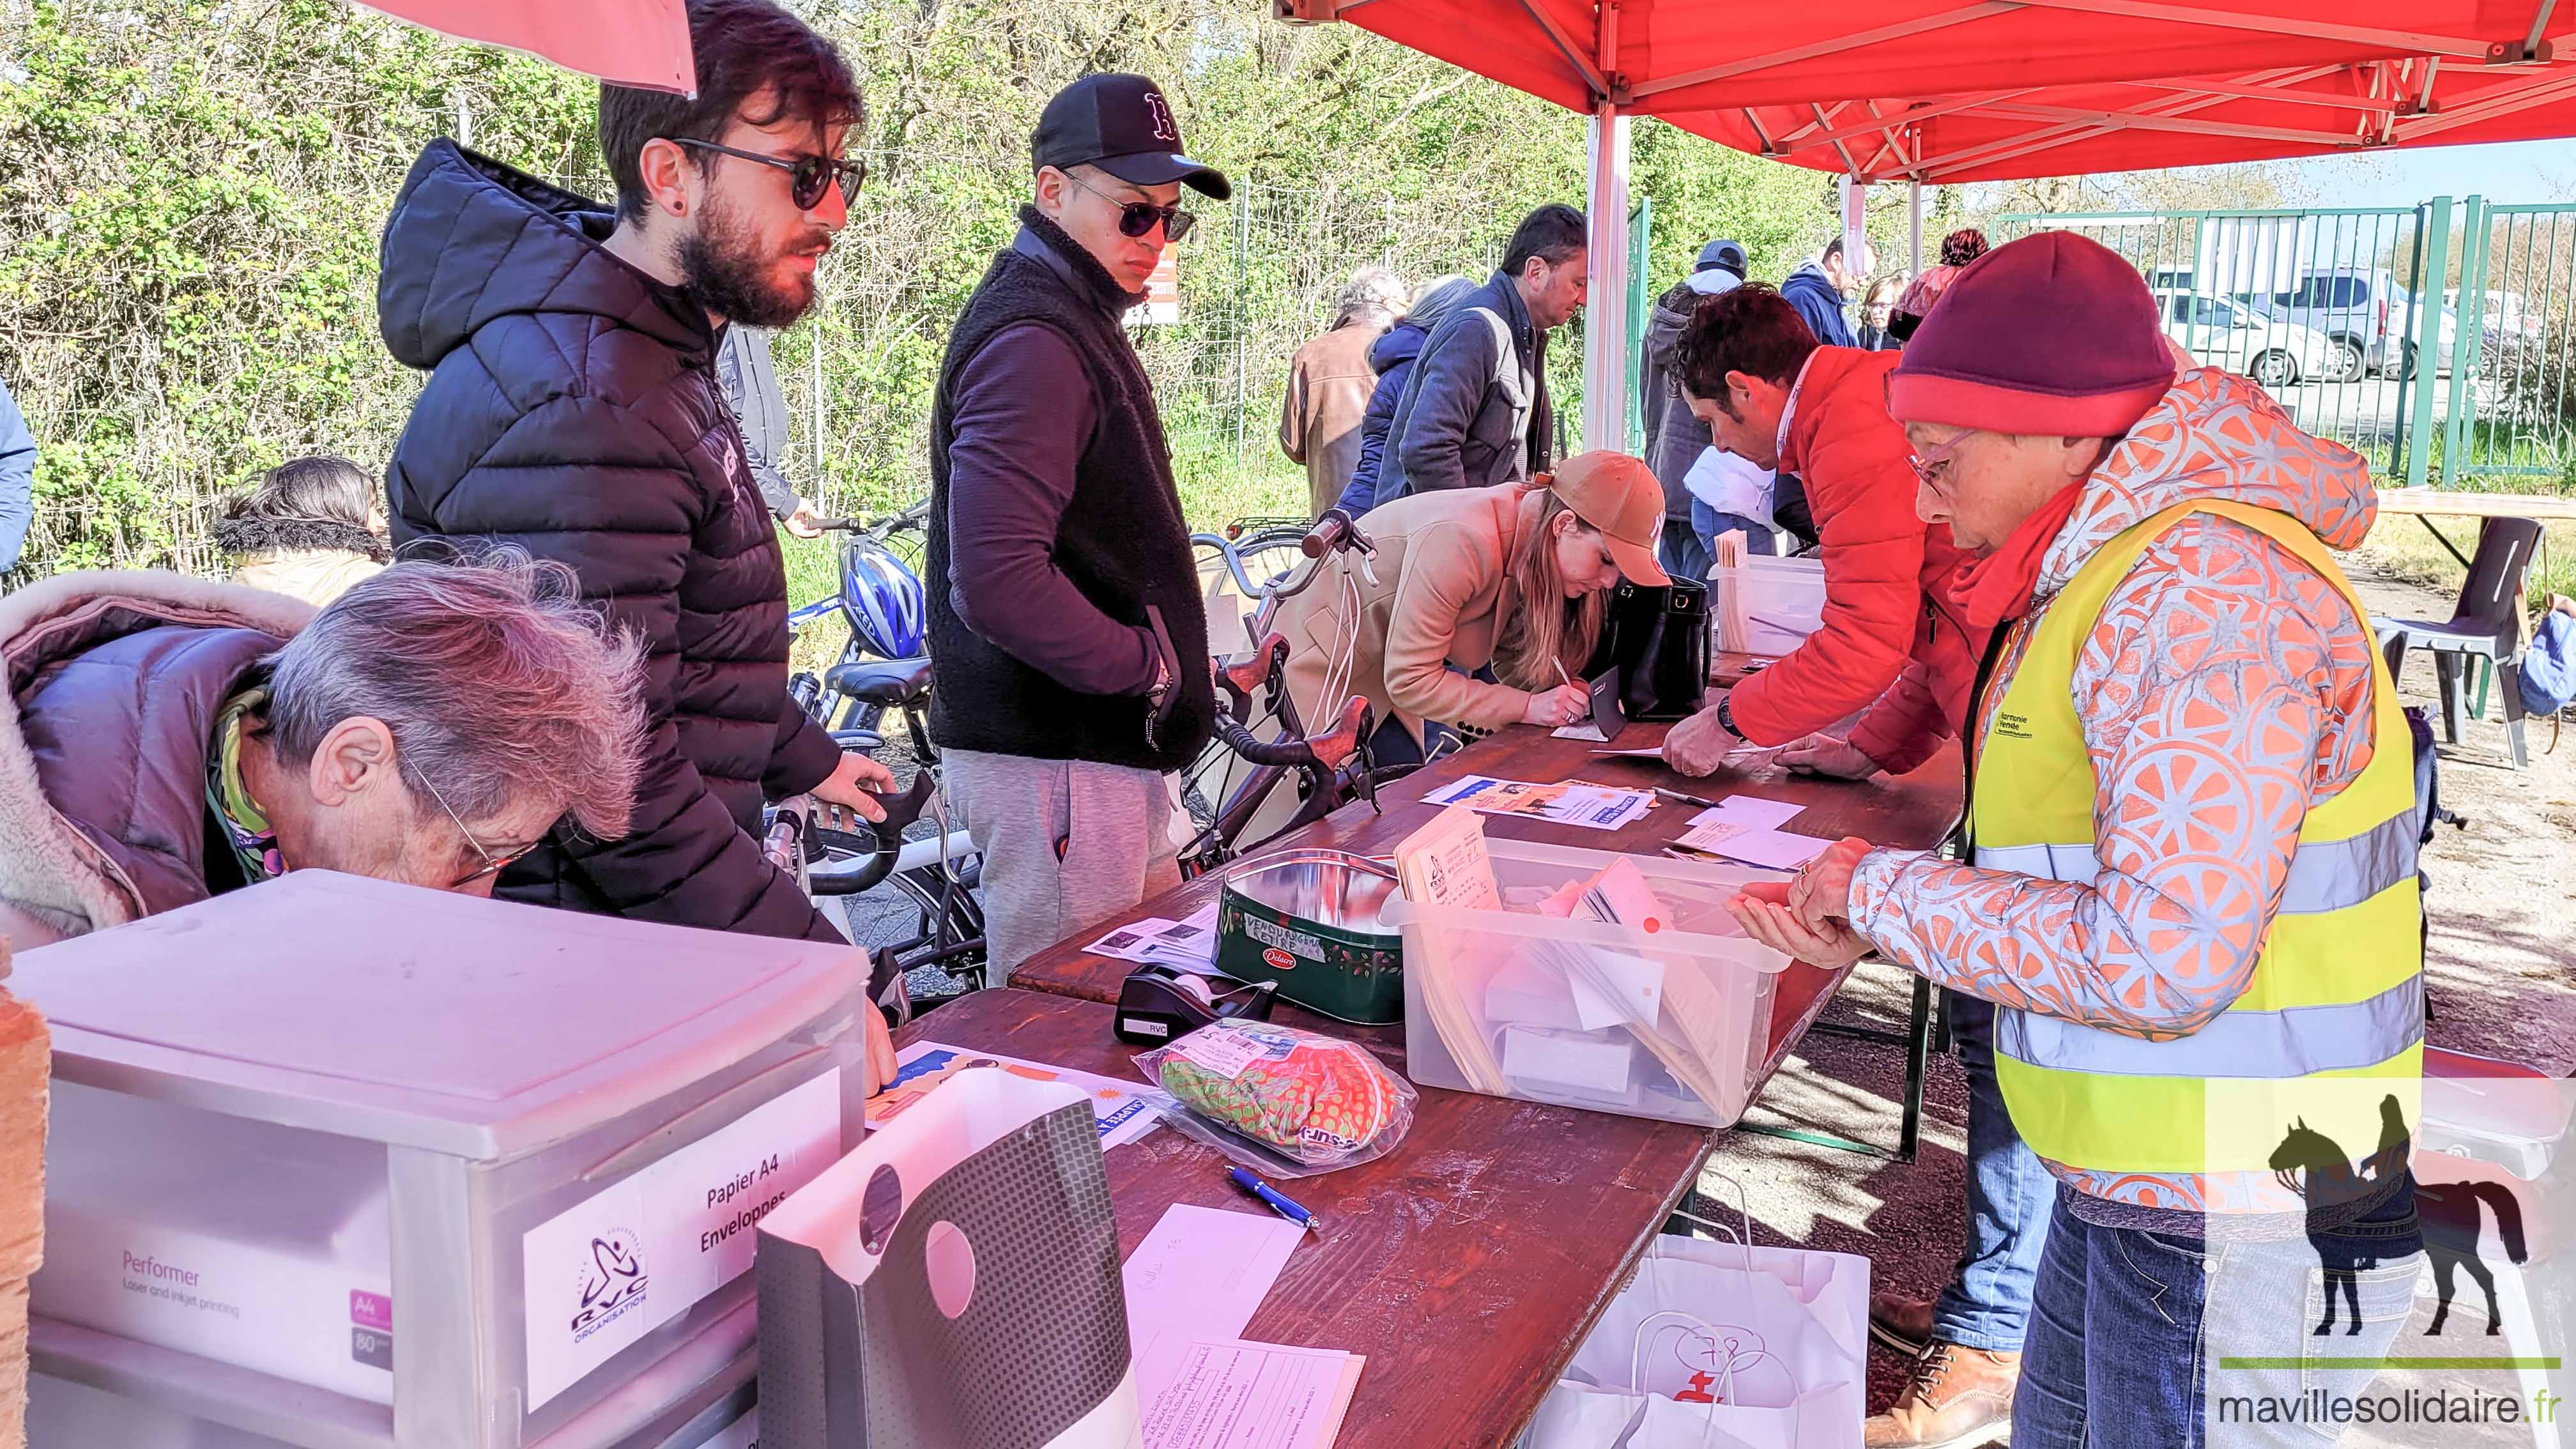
x=2224 y=687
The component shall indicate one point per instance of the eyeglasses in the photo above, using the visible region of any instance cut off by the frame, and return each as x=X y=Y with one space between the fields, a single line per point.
x=492 y=864
x=1926 y=469
x=1136 y=218
x=808 y=177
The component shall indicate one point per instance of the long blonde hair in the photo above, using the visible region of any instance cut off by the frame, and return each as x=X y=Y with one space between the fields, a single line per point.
x=1548 y=630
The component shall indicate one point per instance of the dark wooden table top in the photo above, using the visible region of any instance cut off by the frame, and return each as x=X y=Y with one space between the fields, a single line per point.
x=1910 y=811
x=1467 y=1264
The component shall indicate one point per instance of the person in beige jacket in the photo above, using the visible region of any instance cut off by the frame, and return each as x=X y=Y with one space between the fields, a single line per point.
x=1329 y=383
x=1516 y=576
x=311 y=528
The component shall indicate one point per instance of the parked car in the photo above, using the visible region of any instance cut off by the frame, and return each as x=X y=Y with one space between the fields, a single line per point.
x=2501 y=314
x=2363 y=312
x=2276 y=353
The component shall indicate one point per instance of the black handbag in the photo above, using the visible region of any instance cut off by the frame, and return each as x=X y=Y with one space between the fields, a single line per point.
x=1657 y=638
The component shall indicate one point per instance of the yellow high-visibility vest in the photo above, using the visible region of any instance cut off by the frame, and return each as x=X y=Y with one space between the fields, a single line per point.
x=2332 y=1023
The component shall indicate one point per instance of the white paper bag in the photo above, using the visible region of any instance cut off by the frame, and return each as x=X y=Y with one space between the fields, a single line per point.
x=1715 y=1345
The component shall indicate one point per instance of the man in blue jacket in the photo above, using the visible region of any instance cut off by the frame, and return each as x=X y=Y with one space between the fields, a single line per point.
x=1822 y=287
x=1475 y=412
x=573 y=410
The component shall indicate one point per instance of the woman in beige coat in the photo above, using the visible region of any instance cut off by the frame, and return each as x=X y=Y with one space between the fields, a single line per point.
x=309 y=530
x=1516 y=577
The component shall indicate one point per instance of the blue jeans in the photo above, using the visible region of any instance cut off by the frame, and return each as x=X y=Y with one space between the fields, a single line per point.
x=1683 y=552
x=1987 y=1302
x=1708 y=523
x=2127 y=1324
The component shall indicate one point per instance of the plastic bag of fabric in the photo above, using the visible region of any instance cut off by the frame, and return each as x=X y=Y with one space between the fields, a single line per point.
x=1285 y=1102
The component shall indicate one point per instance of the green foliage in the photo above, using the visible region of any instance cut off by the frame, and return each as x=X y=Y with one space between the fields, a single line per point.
x=191 y=195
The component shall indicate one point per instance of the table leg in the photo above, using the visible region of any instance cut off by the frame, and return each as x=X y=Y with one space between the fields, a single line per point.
x=1917 y=1041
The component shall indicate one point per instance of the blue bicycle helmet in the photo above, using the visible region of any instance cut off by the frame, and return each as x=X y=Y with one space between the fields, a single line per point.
x=884 y=601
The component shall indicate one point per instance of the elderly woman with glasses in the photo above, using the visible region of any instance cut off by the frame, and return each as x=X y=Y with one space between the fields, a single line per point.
x=167 y=739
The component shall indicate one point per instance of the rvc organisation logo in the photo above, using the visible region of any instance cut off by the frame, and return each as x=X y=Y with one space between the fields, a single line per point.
x=612 y=1281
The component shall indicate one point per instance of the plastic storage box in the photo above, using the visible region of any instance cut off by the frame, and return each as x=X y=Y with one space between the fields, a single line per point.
x=342 y=1163
x=1783 y=602
x=1684 y=1024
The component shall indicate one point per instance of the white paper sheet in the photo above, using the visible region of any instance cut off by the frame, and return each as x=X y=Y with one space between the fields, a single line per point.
x=1200 y=1274
x=1573 y=802
x=1752 y=810
x=1777 y=849
x=1229 y=1394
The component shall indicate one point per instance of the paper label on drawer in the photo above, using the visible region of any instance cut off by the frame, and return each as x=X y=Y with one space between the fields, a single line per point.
x=604 y=1273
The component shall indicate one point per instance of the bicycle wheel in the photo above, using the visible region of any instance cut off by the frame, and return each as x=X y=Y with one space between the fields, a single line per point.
x=1270 y=554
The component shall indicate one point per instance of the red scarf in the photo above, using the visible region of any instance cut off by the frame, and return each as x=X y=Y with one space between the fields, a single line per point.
x=1997 y=588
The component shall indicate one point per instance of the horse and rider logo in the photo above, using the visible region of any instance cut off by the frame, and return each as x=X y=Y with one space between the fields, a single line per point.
x=2451 y=1214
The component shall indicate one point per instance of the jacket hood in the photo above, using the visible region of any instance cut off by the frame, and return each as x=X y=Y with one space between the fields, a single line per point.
x=1664 y=327
x=472 y=239
x=1811 y=276
x=2215 y=435
x=1399 y=343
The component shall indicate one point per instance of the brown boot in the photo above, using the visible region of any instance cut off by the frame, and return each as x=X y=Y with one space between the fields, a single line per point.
x=1958 y=1398
x=1903 y=1324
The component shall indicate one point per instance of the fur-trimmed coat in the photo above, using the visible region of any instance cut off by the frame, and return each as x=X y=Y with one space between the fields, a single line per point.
x=114 y=683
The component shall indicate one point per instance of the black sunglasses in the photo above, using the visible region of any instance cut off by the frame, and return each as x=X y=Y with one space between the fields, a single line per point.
x=1136 y=218
x=808 y=177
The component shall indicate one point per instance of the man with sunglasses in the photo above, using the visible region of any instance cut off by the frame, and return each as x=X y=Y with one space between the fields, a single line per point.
x=574 y=409
x=1068 y=642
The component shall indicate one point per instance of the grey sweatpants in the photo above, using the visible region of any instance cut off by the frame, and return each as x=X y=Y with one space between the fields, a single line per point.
x=1066 y=845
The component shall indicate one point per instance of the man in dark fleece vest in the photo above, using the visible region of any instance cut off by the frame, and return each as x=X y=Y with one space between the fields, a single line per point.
x=1068 y=642
x=573 y=410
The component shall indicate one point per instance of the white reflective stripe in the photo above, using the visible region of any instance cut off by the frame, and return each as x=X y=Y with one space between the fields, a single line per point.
x=2297 y=1041
x=2328 y=875
x=2048 y=862
x=2324 y=875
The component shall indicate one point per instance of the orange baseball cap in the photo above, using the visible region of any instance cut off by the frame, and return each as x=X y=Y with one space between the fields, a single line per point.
x=1619 y=497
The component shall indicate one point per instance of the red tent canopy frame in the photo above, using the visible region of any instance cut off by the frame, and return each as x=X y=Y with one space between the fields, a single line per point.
x=1945 y=91
x=1940 y=91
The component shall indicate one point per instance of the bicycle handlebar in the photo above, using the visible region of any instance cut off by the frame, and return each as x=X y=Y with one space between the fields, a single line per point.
x=793 y=831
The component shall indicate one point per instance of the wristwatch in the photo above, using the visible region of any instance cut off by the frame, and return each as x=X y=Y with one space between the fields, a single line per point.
x=1726 y=715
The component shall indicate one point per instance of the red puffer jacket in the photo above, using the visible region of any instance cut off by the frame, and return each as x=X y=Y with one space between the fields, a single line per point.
x=1894 y=642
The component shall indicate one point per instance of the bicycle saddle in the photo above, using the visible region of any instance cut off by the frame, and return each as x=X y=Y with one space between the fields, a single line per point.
x=894 y=683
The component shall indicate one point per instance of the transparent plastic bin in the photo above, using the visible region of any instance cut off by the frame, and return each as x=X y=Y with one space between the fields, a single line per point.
x=337 y=1163
x=1784 y=601
x=1570 y=1012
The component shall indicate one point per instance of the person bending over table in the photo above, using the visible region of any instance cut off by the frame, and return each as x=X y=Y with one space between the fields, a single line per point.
x=174 y=739
x=1892 y=642
x=1517 y=576
x=2192 y=815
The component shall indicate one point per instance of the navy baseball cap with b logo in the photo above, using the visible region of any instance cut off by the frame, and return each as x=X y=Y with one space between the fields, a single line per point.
x=1121 y=124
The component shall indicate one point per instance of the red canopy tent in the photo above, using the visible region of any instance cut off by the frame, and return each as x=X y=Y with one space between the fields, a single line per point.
x=1940 y=91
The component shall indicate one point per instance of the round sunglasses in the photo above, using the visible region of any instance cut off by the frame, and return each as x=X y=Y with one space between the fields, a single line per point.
x=1136 y=218
x=808 y=177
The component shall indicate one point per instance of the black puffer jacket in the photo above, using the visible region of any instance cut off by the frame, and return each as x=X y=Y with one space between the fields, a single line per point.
x=573 y=409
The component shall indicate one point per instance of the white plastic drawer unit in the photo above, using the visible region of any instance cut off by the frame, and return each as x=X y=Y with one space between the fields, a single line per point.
x=337 y=1163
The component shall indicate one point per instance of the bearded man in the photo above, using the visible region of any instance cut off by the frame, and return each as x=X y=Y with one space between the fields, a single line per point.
x=573 y=410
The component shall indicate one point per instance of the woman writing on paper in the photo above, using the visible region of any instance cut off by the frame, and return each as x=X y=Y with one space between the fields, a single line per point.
x=1516 y=577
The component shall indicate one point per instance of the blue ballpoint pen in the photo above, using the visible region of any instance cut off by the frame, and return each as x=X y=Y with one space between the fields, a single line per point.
x=1278 y=1203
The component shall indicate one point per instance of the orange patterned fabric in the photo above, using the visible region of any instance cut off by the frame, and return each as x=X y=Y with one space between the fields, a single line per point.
x=2223 y=689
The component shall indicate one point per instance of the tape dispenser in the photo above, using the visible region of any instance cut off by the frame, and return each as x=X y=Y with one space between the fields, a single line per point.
x=1158 y=1003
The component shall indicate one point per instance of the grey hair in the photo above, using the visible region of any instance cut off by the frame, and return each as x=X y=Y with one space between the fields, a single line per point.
x=498 y=682
x=1370 y=289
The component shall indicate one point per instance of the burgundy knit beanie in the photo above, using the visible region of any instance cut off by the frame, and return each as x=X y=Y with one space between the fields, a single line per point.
x=2052 y=335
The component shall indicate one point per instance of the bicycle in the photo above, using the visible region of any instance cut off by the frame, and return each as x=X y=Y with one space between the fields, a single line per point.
x=883 y=668
x=1331 y=768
